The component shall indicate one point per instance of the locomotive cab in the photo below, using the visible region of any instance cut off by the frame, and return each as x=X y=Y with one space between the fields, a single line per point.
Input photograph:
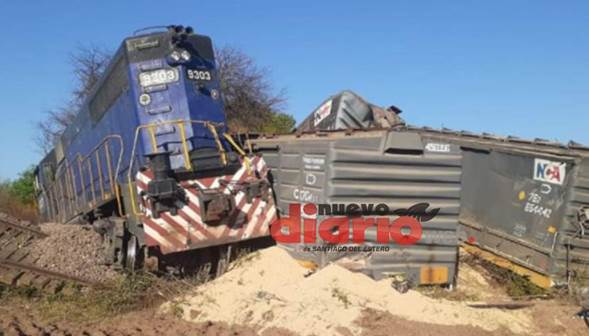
x=174 y=77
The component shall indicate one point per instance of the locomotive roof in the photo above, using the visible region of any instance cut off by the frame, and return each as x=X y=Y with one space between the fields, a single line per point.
x=134 y=49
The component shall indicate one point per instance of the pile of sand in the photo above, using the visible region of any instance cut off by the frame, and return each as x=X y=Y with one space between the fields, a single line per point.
x=273 y=290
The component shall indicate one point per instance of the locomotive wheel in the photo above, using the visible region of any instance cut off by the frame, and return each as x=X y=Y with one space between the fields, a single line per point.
x=133 y=254
x=112 y=247
x=223 y=261
x=108 y=252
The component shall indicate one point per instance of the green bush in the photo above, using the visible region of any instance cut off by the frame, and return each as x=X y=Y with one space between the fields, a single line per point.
x=23 y=188
x=279 y=123
x=17 y=198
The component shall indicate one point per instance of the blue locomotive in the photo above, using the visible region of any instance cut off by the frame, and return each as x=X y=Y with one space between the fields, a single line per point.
x=148 y=160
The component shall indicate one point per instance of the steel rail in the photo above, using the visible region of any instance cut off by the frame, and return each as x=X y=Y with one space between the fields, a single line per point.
x=22 y=268
x=12 y=225
x=43 y=272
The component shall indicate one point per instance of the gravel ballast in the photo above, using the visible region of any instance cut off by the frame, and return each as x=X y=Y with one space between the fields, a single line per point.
x=72 y=249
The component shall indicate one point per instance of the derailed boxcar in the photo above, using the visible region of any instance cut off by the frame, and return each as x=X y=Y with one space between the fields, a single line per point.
x=523 y=204
x=408 y=173
x=527 y=202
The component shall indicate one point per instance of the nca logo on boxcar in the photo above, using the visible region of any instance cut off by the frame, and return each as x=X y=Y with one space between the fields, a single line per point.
x=549 y=171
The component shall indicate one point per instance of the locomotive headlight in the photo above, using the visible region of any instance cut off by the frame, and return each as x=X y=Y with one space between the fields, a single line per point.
x=185 y=55
x=175 y=56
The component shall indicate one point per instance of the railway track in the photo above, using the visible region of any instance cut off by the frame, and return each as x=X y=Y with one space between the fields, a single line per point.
x=17 y=266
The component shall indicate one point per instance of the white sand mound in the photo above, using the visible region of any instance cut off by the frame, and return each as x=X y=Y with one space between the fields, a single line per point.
x=271 y=290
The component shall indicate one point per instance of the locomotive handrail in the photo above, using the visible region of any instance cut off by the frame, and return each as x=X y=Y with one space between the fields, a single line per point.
x=234 y=144
x=212 y=126
x=112 y=179
x=150 y=28
x=53 y=202
x=219 y=144
x=85 y=162
x=240 y=150
x=181 y=125
x=188 y=165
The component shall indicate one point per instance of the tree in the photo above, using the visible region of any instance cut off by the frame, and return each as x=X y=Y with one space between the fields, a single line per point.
x=279 y=123
x=88 y=65
x=23 y=188
x=251 y=105
x=248 y=95
x=17 y=197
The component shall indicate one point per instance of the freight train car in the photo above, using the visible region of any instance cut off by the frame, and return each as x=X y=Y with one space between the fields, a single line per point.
x=148 y=162
x=395 y=173
x=524 y=204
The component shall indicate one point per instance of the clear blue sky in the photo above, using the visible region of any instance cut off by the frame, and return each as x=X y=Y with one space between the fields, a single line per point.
x=507 y=67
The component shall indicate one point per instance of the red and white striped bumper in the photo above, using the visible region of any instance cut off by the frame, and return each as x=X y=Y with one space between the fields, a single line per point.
x=186 y=230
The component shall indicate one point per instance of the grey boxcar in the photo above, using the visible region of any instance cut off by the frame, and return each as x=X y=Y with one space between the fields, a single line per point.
x=522 y=204
x=526 y=201
x=396 y=168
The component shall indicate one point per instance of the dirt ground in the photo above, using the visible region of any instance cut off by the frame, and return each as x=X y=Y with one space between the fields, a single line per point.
x=269 y=293
x=552 y=318
x=144 y=323
x=149 y=323
x=378 y=323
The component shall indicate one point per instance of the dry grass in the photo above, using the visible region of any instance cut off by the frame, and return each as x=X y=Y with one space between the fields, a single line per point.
x=341 y=296
x=14 y=207
x=516 y=286
x=132 y=293
x=438 y=292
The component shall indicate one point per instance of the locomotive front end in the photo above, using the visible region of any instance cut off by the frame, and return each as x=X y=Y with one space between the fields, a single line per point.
x=190 y=185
